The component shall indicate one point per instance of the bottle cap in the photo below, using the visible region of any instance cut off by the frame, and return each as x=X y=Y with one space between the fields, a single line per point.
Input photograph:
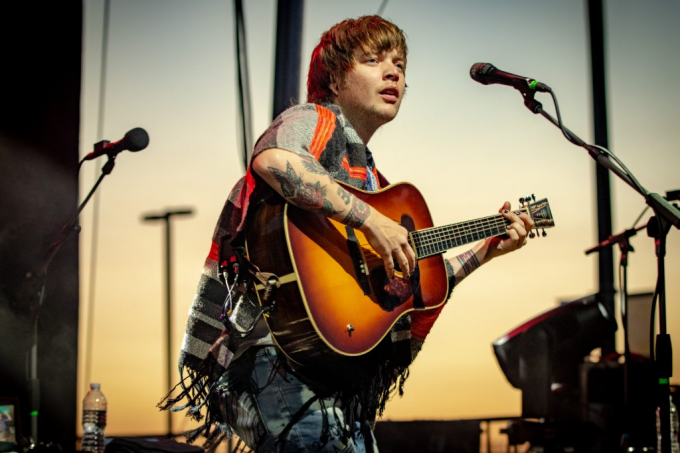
x=95 y=385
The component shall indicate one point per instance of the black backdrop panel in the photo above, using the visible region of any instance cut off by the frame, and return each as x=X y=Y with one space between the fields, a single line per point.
x=40 y=50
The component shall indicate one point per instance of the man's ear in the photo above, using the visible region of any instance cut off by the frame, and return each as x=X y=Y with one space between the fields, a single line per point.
x=334 y=88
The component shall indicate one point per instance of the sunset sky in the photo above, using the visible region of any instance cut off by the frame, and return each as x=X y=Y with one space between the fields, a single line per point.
x=467 y=147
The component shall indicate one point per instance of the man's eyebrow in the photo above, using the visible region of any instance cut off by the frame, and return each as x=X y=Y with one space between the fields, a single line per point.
x=361 y=53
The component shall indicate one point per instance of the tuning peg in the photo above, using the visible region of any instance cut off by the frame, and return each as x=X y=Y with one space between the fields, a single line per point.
x=532 y=235
x=533 y=197
x=544 y=233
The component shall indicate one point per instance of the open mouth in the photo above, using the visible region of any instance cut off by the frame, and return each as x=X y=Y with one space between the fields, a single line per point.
x=390 y=94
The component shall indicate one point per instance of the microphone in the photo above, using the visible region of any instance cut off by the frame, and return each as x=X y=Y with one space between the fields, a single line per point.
x=488 y=74
x=135 y=140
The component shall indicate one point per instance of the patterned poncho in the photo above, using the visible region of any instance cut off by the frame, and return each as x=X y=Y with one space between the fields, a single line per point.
x=324 y=132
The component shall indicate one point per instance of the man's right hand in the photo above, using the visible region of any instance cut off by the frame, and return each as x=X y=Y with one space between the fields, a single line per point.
x=390 y=241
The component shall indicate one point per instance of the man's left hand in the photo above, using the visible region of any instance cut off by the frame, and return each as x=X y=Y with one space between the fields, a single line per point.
x=516 y=236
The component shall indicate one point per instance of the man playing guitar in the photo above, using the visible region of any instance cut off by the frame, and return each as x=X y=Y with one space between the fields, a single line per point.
x=237 y=366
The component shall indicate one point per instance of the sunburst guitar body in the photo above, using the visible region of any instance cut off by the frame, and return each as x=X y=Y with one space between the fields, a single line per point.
x=334 y=304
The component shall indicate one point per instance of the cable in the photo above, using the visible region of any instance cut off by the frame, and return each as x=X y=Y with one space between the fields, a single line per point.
x=623 y=305
x=88 y=346
x=381 y=9
x=640 y=216
x=608 y=153
x=623 y=167
x=652 y=322
x=243 y=82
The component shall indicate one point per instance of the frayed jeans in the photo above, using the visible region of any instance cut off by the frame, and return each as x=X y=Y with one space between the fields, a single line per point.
x=271 y=410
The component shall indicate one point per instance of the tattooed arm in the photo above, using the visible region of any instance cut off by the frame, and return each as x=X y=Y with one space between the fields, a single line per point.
x=484 y=251
x=302 y=181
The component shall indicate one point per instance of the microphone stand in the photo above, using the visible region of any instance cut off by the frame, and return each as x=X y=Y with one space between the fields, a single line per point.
x=666 y=215
x=70 y=227
x=623 y=240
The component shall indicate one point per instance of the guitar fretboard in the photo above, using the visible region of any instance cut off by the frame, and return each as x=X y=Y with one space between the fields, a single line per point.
x=436 y=240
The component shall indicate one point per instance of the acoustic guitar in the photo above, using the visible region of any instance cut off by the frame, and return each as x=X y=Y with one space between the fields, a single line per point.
x=334 y=303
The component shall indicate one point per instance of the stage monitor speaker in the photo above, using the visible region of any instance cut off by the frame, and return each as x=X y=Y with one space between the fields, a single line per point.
x=458 y=436
x=604 y=405
x=542 y=356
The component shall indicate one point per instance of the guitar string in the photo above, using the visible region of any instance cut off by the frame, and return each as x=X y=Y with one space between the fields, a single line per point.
x=468 y=227
x=454 y=231
x=432 y=237
x=435 y=235
x=463 y=225
x=447 y=234
x=430 y=242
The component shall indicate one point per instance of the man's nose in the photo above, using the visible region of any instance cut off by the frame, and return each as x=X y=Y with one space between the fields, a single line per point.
x=391 y=72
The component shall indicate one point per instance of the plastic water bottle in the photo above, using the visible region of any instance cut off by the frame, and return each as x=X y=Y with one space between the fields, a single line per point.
x=675 y=427
x=94 y=420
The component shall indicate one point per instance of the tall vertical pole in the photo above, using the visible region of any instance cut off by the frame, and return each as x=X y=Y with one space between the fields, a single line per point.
x=168 y=311
x=165 y=217
x=288 y=54
x=243 y=82
x=604 y=207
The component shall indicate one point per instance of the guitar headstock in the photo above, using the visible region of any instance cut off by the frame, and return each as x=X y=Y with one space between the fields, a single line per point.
x=539 y=211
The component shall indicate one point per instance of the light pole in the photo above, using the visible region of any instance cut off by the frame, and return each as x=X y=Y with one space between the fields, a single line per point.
x=166 y=216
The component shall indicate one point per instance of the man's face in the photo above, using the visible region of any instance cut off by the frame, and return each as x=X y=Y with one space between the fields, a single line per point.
x=371 y=93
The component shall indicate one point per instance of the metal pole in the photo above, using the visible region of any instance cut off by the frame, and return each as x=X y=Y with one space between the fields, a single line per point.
x=168 y=311
x=288 y=54
x=165 y=217
x=604 y=208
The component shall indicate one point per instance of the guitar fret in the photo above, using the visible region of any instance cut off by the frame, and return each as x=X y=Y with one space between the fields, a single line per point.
x=436 y=240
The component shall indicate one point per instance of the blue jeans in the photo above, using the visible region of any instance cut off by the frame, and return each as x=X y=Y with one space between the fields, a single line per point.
x=272 y=410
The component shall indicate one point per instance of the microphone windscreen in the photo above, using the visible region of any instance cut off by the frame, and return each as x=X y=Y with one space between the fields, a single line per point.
x=136 y=139
x=478 y=72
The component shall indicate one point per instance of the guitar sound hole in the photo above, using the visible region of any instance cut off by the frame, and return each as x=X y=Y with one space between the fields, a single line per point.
x=390 y=294
x=395 y=292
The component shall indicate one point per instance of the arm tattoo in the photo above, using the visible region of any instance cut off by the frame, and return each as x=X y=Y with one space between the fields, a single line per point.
x=357 y=214
x=344 y=195
x=309 y=196
x=468 y=261
x=313 y=166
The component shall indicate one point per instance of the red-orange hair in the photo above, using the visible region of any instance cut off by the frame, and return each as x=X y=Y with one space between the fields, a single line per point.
x=333 y=57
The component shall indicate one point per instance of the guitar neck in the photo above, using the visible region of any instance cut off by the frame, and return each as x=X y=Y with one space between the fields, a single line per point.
x=436 y=240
